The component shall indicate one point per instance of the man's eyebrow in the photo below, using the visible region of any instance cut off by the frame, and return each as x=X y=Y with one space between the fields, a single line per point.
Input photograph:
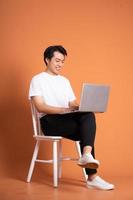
x=59 y=59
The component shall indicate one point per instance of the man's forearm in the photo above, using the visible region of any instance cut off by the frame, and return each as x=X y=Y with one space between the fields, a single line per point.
x=52 y=110
x=42 y=107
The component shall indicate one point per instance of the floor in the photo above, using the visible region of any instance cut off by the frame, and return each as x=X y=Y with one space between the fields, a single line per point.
x=15 y=188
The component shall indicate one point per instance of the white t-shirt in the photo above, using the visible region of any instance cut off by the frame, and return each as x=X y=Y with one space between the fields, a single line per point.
x=54 y=89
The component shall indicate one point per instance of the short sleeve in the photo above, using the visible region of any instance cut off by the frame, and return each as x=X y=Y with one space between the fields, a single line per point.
x=70 y=92
x=35 y=88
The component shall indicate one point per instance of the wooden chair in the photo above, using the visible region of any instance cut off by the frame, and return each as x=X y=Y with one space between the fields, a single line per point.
x=57 y=150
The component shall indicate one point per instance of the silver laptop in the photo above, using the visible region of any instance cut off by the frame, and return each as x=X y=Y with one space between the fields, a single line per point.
x=94 y=98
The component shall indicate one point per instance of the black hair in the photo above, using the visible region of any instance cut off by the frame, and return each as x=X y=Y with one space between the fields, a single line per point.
x=49 y=51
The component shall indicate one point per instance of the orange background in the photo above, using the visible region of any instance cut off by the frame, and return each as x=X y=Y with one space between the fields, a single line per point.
x=98 y=35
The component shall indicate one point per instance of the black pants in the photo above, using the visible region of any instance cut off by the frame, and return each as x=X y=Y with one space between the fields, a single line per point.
x=78 y=126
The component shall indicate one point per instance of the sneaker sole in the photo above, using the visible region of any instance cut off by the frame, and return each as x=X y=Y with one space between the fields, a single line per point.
x=99 y=188
x=89 y=165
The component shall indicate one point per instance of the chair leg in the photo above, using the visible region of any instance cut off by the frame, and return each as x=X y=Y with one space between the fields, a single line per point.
x=60 y=159
x=55 y=164
x=79 y=153
x=35 y=153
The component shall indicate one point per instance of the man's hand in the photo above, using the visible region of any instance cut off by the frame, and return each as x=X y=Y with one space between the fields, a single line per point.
x=67 y=110
x=73 y=105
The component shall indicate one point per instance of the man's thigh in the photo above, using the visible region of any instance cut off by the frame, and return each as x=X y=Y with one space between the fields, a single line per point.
x=63 y=125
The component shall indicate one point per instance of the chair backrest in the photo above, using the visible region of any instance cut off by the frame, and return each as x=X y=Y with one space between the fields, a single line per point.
x=35 y=120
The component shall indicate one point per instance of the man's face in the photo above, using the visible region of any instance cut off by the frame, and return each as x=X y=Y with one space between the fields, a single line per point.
x=55 y=64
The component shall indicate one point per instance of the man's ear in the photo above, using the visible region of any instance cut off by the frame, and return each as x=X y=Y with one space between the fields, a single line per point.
x=47 y=60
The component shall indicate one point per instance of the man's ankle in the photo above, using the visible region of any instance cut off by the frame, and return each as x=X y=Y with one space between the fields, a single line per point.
x=87 y=149
x=91 y=177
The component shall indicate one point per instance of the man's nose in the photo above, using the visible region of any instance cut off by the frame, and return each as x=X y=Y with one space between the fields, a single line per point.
x=60 y=64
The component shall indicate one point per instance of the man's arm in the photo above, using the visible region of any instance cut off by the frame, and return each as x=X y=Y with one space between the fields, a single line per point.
x=41 y=106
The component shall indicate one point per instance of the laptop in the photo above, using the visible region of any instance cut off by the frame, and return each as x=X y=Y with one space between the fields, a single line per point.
x=94 y=98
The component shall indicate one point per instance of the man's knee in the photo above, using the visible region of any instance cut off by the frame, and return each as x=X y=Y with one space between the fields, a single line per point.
x=91 y=115
x=88 y=115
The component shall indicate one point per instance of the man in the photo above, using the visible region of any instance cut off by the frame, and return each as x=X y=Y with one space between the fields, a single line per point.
x=55 y=101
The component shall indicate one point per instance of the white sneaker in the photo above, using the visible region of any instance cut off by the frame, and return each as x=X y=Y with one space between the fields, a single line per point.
x=87 y=161
x=99 y=183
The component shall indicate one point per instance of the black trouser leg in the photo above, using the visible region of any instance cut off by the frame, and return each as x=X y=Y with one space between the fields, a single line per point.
x=74 y=126
x=88 y=125
x=87 y=128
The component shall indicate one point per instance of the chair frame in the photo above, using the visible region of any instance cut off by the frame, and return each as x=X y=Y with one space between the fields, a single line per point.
x=56 y=149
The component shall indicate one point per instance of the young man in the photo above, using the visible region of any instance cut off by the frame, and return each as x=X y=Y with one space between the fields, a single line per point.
x=53 y=98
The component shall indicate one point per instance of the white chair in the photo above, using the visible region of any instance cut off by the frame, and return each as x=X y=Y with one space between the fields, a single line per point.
x=57 y=150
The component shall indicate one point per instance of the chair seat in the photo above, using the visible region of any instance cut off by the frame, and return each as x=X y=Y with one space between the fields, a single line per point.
x=44 y=137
